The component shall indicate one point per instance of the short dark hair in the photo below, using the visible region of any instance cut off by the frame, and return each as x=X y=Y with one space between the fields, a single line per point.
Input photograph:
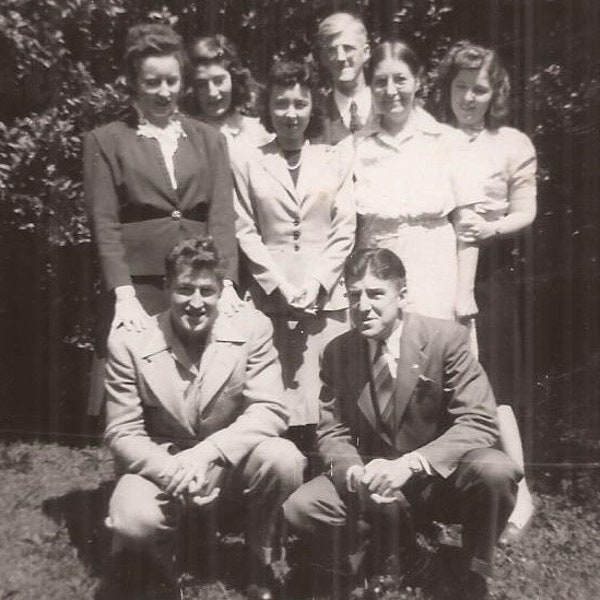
x=396 y=50
x=151 y=39
x=466 y=55
x=287 y=73
x=217 y=49
x=381 y=262
x=197 y=254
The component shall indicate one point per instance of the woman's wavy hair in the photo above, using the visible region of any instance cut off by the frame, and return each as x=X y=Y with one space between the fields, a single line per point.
x=151 y=39
x=466 y=55
x=287 y=73
x=217 y=49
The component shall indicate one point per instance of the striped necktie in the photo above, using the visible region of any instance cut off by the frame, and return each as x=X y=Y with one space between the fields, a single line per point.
x=355 y=123
x=383 y=380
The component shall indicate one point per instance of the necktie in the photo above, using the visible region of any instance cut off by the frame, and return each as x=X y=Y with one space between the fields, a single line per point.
x=382 y=380
x=355 y=123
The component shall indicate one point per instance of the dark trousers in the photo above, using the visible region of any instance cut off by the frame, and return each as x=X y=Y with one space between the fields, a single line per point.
x=480 y=495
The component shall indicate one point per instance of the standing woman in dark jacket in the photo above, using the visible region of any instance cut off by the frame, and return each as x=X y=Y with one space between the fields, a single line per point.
x=152 y=179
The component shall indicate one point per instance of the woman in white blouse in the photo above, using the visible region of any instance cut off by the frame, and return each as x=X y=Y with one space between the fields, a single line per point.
x=473 y=95
x=405 y=183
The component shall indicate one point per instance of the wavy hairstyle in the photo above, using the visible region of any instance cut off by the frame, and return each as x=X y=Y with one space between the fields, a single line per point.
x=466 y=55
x=151 y=39
x=195 y=254
x=287 y=73
x=217 y=49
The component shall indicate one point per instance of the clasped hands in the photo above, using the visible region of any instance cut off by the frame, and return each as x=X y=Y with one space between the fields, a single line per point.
x=303 y=299
x=185 y=474
x=380 y=480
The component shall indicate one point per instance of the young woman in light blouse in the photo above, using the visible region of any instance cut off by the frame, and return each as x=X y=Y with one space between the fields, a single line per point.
x=222 y=89
x=473 y=95
x=405 y=183
x=152 y=179
x=296 y=226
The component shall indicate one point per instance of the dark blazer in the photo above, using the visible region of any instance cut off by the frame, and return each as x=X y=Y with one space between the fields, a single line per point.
x=137 y=216
x=443 y=404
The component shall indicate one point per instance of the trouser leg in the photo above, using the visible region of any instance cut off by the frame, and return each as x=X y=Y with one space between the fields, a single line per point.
x=271 y=472
x=144 y=519
x=486 y=483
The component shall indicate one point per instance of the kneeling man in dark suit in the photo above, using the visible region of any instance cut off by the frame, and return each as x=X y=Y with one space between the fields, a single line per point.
x=407 y=431
x=194 y=410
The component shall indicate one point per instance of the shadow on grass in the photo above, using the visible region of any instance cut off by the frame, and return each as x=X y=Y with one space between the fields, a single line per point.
x=83 y=513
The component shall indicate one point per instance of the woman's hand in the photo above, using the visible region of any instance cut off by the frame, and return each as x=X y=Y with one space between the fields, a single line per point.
x=309 y=294
x=230 y=302
x=128 y=310
x=473 y=228
x=466 y=306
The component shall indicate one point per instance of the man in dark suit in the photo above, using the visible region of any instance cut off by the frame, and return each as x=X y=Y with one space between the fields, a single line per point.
x=195 y=405
x=344 y=52
x=407 y=428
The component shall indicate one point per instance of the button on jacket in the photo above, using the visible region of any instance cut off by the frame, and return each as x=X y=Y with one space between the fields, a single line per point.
x=292 y=233
x=137 y=216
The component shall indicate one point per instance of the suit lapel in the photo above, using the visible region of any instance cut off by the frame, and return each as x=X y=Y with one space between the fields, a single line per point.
x=160 y=370
x=274 y=163
x=219 y=360
x=410 y=365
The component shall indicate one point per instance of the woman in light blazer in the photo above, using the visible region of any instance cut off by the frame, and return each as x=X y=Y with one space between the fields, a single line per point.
x=296 y=226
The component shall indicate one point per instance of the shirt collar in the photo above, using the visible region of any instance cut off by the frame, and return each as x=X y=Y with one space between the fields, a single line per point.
x=421 y=122
x=363 y=101
x=391 y=344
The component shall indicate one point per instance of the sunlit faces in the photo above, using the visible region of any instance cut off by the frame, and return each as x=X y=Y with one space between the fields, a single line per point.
x=376 y=305
x=345 y=55
x=470 y=97
x=394 y=87
x=157 y=87
x=212 y=86
x=290 y=109
x=194 y=296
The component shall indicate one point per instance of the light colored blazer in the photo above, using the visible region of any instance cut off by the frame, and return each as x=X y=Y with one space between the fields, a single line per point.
x=240 y=398
x=443 y=403
x=292 y=233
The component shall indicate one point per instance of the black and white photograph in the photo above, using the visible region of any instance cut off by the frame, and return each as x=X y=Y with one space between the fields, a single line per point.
x=300 y=299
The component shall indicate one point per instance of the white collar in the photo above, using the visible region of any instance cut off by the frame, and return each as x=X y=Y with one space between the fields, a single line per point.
x=363 y=101
x=391 y=344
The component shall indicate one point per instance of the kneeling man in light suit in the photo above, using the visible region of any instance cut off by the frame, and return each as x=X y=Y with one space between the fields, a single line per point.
x=407 y=430
x=194 y=410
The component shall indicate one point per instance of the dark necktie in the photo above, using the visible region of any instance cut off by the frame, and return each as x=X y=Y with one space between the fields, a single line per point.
x=355 y=123
x=382 y=380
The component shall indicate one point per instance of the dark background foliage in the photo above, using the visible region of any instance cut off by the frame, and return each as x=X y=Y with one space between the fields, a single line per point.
x=59 y=76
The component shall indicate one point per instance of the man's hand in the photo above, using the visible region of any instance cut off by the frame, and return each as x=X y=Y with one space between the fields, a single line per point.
x=186 y=471
x=385 y=478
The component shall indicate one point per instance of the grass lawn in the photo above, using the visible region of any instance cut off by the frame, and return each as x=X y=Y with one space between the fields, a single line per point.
x=52 y=542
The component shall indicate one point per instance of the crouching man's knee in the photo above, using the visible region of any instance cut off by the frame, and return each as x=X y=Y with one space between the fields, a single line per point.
x=135 y=512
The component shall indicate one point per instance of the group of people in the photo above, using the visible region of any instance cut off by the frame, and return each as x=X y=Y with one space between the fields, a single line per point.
x=289 y=287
